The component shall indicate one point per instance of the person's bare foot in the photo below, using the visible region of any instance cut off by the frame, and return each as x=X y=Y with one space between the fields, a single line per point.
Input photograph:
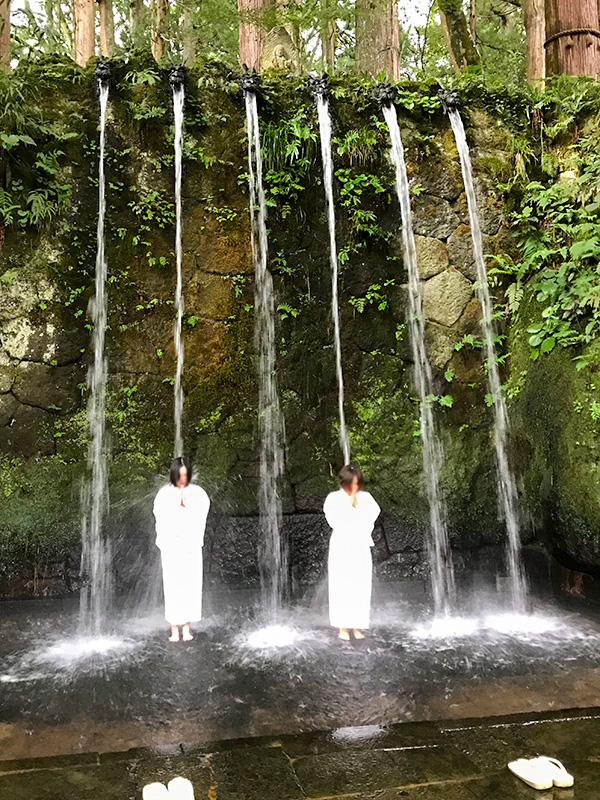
x=358 y=634
x=187 y=634
x=174 y=637
x=344 y=635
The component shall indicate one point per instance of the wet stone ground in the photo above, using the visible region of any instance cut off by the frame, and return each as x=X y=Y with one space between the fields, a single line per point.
x=460 y=760
x=146 y=692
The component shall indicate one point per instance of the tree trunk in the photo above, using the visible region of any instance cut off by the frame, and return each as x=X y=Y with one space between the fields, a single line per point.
x=190 y=36
x=254 y=26
x=136 y=22
x=107 y=28
x=329 y=34
x=378 y=37
x=158 y=29
x=572 y=38
x=4 y=34
x=534 y=15
x=84 y=35
x=290 y=23
x=459 y=41
x=473 y=20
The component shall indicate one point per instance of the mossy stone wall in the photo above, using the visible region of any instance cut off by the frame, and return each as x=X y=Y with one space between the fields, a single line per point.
x=46 y=280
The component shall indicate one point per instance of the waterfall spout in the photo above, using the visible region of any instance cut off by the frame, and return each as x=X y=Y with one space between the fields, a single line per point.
x=450 y=99
x=249 y=82
x=383 y=94
x=440 y=556
x=102 y=72
x=319 y=88
x=177 y=76
x=507 y=490
x=96 y=592
x=272 y=552
x=177 y=79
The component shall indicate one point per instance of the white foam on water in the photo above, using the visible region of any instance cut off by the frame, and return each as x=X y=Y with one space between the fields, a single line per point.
x=70 y=652
x=446 y=628
x=357 y=734
x=521 y=623
x=272 y=636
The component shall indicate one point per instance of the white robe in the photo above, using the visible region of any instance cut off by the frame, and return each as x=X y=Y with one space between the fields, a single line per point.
x=350 y=565
x=180 y=537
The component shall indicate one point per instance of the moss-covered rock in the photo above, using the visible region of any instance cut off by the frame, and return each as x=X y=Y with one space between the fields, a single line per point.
x=46 y=282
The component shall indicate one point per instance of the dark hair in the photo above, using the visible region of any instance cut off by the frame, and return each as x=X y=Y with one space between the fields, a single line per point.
x=178 y=463
x=348 y=473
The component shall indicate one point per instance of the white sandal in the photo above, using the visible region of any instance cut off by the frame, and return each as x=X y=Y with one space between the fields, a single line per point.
x=560 y=776
x=155 y=791
x=181 y=789
x=533 y=772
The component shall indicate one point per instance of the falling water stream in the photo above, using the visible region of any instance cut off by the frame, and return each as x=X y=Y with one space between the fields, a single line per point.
x=507 y=491
x=176 y=80
x=319 y=89
x=272 y=551
x=442 y=571
x=96 y=592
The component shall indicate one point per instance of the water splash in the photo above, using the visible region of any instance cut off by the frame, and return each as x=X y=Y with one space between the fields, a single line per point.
x=507 y=491
x=272 y=551
x=178 y=106
x=442 y=570
x=272 y=636
x=322 y=102
x=96 y=592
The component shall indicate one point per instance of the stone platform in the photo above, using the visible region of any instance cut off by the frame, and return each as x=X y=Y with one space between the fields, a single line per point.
x=458 y=760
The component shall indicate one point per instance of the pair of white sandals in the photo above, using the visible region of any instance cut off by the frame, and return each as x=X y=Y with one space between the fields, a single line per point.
x=178 y=789
x=541 y=772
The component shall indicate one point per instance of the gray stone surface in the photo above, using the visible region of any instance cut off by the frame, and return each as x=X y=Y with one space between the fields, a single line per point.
x=45 y=337
x=30 y=433
x=255 y=774
x=432 y=256
x=460 y=251
x=458 y=760
x=441 y=343
x=7 y=373
x=433 y=216
x=8 y=406
x=441 y=179
x=51 y=388
x=446 y=296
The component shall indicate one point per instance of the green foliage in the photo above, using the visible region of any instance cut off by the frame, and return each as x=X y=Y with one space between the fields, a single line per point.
x=39 y=521
x=359 y=145
x=375 y=295
x=31 y=153
x=559 y=227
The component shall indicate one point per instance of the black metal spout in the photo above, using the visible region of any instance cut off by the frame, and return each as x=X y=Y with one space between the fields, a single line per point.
x=319 y=87
x=103 y=71
x=177 y=76
x=383 y=94
x=250 y=82
x=450 y=99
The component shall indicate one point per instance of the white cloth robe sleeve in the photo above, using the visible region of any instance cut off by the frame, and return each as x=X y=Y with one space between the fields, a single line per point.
x=180 y=537
x=350 y=564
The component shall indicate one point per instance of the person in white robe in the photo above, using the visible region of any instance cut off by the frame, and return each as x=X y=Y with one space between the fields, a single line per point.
x=180 y=509
x=351 y=513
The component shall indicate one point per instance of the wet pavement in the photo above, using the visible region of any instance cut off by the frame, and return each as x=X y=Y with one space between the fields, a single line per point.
x=138 y=690
x=459 y=760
